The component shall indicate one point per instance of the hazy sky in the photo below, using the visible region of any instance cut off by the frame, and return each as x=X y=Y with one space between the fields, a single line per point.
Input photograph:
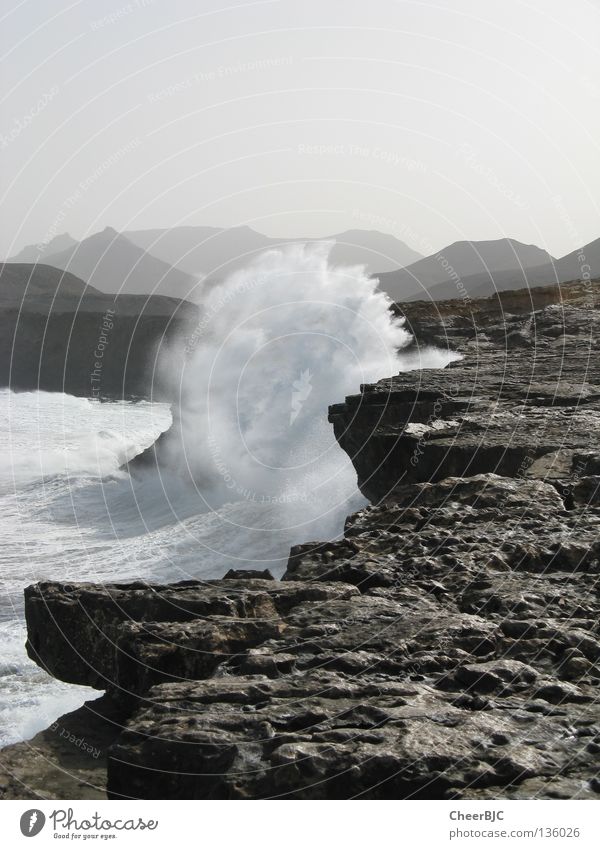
x=434 y=121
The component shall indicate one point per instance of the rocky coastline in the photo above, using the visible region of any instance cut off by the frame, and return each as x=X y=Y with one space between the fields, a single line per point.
x=448 y=647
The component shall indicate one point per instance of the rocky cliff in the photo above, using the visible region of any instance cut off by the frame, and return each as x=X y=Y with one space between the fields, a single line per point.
x=447 y=647
x=59 y=334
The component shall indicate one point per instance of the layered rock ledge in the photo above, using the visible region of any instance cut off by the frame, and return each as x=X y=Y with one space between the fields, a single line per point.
x=447 y=647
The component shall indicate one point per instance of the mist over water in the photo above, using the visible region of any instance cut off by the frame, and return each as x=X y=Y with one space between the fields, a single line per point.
x=277 y=344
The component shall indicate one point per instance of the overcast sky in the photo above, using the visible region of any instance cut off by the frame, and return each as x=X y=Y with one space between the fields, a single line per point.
x=434 y=121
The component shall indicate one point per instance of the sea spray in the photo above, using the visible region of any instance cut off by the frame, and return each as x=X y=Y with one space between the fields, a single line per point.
x=276 y=344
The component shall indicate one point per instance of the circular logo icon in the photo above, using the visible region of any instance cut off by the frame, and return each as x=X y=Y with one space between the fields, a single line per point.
x=32 y=822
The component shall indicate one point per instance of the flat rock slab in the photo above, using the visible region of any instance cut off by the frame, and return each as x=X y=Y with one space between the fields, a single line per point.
x=324 y=736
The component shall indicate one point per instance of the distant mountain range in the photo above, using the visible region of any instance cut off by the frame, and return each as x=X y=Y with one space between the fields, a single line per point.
x=574 y=266
x=436 y=276
x=180 y=262
x=32 y=253
x=478 y=269
x=115 y=265
x=174 y=262
x=216 y=252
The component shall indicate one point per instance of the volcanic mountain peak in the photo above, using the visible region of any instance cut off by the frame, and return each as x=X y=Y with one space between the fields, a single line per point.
x=114 y=264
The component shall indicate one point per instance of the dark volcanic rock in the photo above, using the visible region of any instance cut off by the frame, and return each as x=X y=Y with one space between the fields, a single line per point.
x=86 y=633
x=446 y=647
x=494 y=411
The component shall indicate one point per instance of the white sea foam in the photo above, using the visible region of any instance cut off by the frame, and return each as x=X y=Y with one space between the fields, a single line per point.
x=277 y=343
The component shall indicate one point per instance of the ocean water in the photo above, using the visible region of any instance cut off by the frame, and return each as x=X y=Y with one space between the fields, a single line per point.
x=252 y=466
x=59 y=467
x=69 y=513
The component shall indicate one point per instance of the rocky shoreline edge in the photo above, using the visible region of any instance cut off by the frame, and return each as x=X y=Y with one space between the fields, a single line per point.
x=447 y=647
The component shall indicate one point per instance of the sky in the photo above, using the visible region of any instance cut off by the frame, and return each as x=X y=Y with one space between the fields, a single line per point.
x=432 y=121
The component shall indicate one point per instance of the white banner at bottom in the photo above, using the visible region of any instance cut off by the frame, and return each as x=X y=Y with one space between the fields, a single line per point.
x=291 y=824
